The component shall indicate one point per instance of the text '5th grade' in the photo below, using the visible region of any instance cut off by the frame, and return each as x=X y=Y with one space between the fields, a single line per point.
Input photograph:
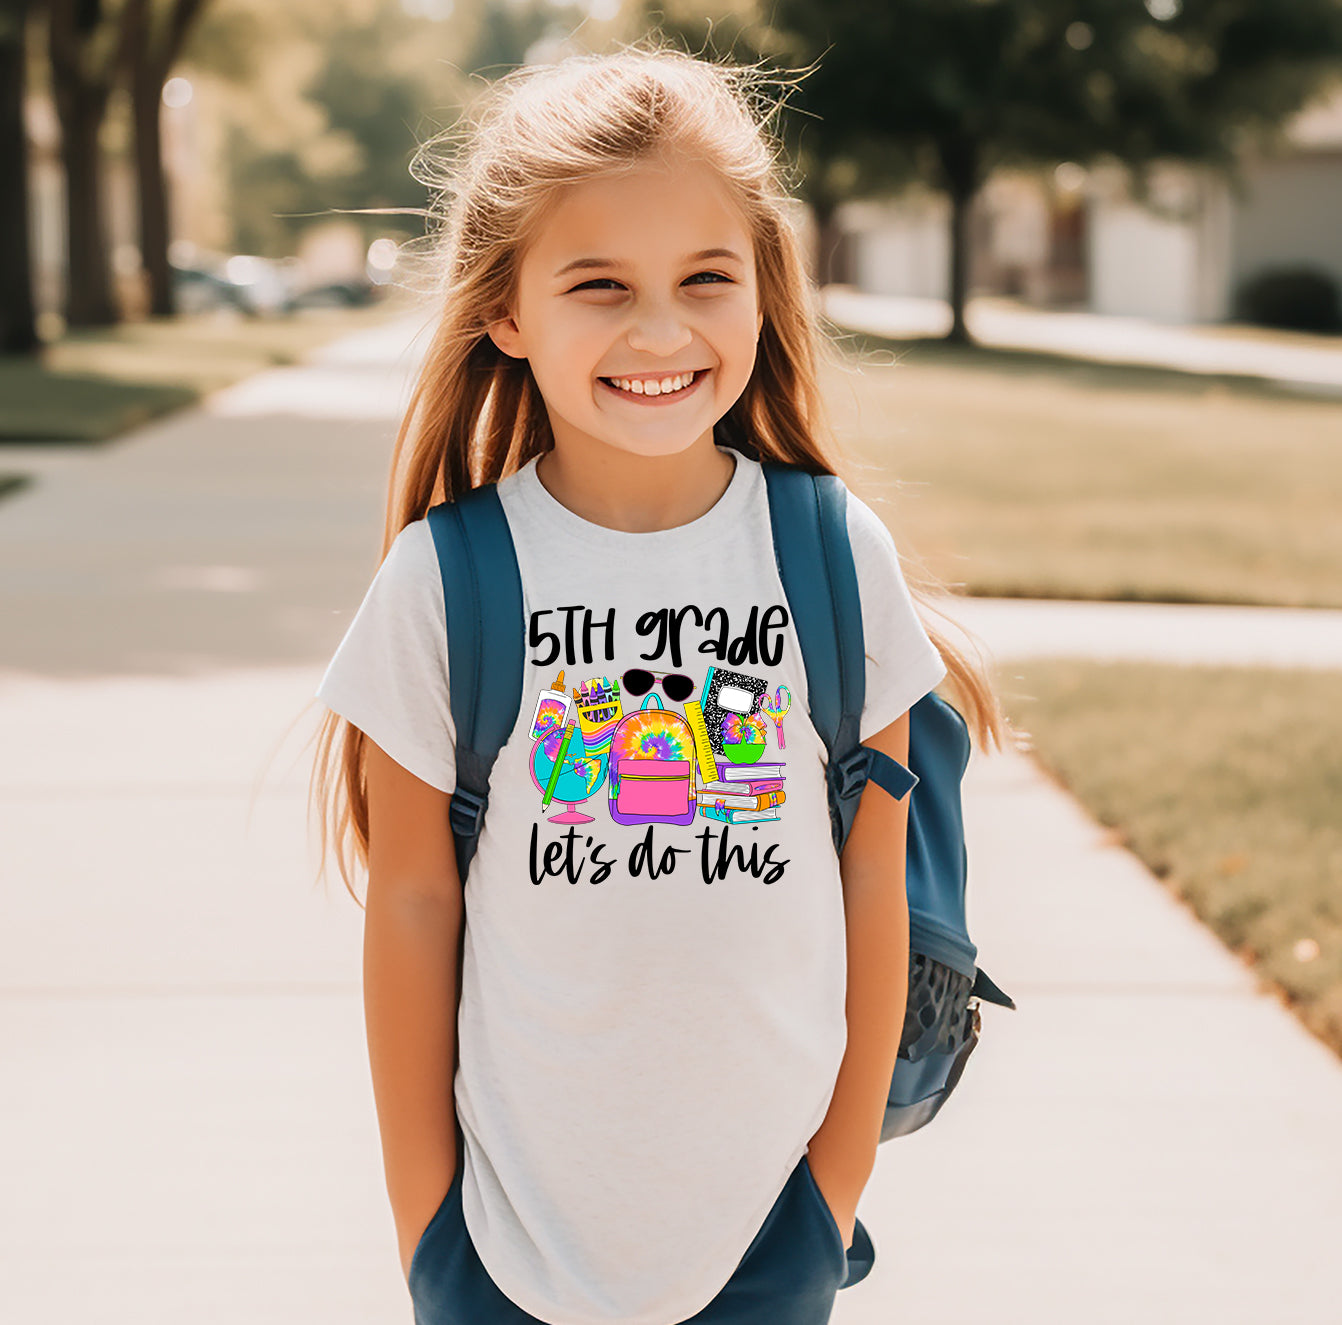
x=567 y=635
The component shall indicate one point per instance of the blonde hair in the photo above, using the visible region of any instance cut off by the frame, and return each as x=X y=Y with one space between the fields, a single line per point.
x=476 y=415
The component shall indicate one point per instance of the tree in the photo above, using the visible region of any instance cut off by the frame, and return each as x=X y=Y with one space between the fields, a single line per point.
x=18 y=328
x=334 y=96
x=342 y=93
x=961 y=87
x=156 y=35
x=88 y=53
x=825 y=170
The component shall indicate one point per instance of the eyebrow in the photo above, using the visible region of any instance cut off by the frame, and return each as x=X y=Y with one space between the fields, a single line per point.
x=584 y=264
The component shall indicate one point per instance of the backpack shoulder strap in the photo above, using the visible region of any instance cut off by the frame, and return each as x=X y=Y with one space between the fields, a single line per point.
x=486 y=630
x=815 y=563
x=809 y=516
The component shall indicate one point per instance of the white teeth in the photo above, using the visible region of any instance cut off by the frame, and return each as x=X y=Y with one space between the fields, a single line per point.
x=652 y=386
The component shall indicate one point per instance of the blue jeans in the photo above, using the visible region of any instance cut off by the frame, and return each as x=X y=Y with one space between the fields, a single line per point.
x=790 y=1273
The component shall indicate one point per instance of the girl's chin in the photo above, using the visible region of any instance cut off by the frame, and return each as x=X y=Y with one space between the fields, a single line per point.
x=650 y=445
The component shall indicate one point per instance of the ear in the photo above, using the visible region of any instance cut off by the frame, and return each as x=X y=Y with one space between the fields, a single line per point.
x=507 y=335
x=759 y=323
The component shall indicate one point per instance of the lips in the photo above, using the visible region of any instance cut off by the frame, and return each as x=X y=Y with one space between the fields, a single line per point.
x=664 y=398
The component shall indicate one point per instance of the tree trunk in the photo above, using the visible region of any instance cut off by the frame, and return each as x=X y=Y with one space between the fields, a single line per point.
x=151 y=185
x=960 y=169
x=18 y=316
x=89 y=54
x=959 y=283
x=152 y=50
x=80 y=89
x=88 y=293
x=827 y=240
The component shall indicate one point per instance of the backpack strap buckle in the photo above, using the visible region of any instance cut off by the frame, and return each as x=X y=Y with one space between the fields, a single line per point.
x=466 y=812
x=851 y=771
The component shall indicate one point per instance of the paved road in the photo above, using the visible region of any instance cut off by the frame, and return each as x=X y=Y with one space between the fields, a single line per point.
x=186 y=1123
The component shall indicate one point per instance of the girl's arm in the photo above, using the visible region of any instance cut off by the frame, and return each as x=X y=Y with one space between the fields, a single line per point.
x=843 y=1151
x=412 y=931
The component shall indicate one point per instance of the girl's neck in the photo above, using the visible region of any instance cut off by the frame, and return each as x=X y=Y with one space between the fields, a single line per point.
x=637 y=494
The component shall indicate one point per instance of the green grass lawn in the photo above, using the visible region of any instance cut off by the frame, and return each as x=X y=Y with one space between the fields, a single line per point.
x=1226 y=782
x=1029 y=475
x=92 y=385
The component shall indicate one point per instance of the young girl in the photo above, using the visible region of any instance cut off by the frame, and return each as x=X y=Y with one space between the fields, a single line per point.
x=651 y=1089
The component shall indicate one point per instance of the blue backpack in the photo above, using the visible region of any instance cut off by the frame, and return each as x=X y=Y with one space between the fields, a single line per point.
x=482 y=594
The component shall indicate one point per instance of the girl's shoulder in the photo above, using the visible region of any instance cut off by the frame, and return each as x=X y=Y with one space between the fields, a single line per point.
x=388 y=676
x=411 y=559
x=404 y=601
x=868 y=533
x=865 y=526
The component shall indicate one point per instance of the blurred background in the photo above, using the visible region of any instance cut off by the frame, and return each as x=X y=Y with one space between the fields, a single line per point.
x=1081 y=264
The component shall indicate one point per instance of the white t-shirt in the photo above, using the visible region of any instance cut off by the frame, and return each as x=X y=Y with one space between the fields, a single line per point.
x=652 y=1006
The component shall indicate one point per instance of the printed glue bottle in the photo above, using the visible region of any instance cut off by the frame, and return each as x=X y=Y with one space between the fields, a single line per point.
x=552 y=709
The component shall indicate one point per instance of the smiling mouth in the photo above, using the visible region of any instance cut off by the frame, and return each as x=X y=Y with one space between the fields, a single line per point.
x=665 y=393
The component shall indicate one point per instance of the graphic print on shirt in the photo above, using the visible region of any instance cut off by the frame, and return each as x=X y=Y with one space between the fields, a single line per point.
x=595 y=748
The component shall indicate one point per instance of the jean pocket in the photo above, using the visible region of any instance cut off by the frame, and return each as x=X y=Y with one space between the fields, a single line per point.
x=417 y=1256
x=836 y=1237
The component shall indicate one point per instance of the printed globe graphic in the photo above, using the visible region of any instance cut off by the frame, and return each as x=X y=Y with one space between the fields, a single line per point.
x=579 y=777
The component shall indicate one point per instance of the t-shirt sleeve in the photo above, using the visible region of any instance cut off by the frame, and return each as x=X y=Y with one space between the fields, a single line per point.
x=389 y=674
x=902 y=662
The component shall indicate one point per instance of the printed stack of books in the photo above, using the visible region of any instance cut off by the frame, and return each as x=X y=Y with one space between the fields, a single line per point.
x=743 y=793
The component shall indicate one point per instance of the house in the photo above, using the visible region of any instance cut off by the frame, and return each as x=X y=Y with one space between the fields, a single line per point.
x=1080 y=239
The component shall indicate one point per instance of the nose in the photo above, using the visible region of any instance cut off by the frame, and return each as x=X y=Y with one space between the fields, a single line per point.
x=658 y=329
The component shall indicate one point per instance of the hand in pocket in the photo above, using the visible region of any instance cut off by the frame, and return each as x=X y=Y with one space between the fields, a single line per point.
x=842 y=1210
x=411 y=1241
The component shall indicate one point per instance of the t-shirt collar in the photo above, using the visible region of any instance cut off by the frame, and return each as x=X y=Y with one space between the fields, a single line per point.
x=542 y=506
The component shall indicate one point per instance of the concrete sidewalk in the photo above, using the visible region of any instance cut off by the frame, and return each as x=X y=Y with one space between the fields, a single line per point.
x=1311 y=363
x=1182 y=633
x=1146 y=1139
x=187 y=1127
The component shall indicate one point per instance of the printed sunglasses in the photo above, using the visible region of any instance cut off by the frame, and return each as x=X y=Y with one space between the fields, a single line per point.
x=638 y=681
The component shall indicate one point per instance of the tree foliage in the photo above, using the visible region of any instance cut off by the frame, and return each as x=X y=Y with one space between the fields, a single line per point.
x=997 y=82
x=337 y=95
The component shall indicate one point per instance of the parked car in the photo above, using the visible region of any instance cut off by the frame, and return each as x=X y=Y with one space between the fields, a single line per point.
x=197 y=290
x=335 y=294
x=255 y=286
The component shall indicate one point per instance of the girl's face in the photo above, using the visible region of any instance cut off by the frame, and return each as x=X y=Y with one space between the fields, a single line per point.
x=637 y=310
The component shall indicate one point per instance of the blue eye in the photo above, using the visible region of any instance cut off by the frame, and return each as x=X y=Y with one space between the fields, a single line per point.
x=587 y=285
x=716 y=275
